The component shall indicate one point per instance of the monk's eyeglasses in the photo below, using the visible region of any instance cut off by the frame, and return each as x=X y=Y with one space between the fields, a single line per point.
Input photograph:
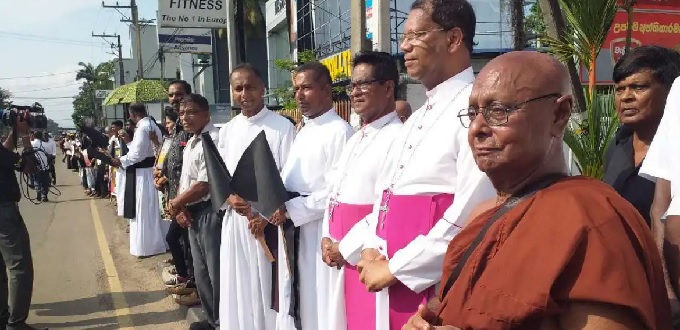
x=496 y=114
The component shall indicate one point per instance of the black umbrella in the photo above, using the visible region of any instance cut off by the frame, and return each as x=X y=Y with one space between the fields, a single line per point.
x=99 y=140
x=257 y=179
x=93 y=153
x=220 y=178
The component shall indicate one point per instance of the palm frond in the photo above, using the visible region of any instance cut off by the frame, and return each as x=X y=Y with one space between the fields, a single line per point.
x=589 y=134
x=588 y=23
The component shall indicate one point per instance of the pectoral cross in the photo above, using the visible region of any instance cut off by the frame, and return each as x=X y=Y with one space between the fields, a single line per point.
x=384 y=207
x=331 y=208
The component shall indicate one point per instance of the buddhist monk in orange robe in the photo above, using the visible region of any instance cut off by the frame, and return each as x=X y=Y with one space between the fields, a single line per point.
x=569 y=252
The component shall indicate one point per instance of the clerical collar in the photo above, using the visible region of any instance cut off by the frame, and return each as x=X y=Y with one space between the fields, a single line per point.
x=322 y=119
x=450 y=86
x=257 y=116
x=379 y=123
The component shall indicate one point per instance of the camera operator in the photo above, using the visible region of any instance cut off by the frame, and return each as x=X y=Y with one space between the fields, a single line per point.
x=44 y=152
x=15 y=248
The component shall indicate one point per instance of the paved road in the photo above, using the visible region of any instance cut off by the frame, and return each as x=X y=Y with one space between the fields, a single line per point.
x=85 y=275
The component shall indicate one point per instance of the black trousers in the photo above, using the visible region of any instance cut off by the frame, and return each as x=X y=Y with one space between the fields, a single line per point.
x=178 y=241
x=16 y=290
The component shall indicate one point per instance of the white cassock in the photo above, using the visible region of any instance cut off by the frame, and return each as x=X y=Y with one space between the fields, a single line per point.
x=245 y=272
x=430 y=158
x=662 y=159
x=316 y=149
x=353 y=189
x=147 y=230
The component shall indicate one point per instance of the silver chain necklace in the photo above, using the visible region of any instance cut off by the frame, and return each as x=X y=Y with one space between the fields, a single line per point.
x=350 y=161
x=402 y=167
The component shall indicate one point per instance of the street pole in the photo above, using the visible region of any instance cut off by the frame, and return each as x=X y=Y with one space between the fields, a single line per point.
x=138 y=41
x=359 y=42
x=121 y=69
x=136 y=23
x=121 y=73
x=161 y=58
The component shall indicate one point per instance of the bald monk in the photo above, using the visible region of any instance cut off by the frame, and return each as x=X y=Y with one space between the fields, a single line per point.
x=403 y=110
x=554 y=252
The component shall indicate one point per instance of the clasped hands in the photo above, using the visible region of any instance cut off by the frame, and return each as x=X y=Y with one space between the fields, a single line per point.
x=330 y=253
x=374 y=271
x=425 y=318
x=256 y=223
x=179 y=211
x=159 y=180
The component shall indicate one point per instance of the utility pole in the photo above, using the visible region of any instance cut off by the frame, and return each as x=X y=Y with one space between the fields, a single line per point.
x=161 y=58
x=121 y=72
x=358 y=27
x=136 y=23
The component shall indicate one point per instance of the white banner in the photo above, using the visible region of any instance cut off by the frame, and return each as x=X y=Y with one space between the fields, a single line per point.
x=193 y=13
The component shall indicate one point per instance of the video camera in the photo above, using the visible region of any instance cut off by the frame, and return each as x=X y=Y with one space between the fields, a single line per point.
x=36 y=116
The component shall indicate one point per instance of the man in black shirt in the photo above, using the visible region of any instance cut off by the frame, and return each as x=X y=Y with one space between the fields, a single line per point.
x=16 y=263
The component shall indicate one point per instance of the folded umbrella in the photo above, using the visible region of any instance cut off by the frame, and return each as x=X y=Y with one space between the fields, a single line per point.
x=220 y=188
x=99 y=140
x=257 y=178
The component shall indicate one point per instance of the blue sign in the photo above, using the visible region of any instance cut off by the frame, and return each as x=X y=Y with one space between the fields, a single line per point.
x=196 y=41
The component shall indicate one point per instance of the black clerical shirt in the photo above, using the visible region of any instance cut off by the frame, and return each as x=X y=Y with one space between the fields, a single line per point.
x=9 y=187
x=622 y=174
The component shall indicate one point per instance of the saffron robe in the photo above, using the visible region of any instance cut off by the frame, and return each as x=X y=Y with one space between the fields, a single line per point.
x=577 y=240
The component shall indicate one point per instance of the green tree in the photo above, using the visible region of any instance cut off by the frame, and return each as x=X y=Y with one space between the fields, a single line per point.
x=588 y=23
x=534 y=25
x=93 y=78
x=284 y=94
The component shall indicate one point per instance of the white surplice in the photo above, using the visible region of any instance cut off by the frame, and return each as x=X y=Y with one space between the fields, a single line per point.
x=315 y=151
x=353 y=182
x=147 y=230
x=662 y=159
x=245 y=272
x=431 y=155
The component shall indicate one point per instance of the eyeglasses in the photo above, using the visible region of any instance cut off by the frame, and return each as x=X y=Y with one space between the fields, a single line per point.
x=496 y=114
x=361 y=85
x=417 y=35
x=189 y=114
x=175 y=94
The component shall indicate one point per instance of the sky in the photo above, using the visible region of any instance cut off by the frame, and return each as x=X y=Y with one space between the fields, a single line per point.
x=41 y=50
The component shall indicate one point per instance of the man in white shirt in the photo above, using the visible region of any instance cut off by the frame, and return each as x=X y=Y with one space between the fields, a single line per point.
x=140 y=204
x=344 y=302
x=192 y=208
x=246 y=274
x=51 y=149
x=662 y=163
x=315 y=151
x=430 y=181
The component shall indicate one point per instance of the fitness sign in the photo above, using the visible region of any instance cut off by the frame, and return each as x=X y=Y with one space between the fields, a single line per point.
x=192 y=13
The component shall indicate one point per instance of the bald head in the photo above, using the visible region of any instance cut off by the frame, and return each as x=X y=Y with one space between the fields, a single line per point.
x=403 y=110
x=519 y=107
x=530 y=71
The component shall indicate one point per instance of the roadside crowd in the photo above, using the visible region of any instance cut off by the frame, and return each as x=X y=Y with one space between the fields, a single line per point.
x=463 y=216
